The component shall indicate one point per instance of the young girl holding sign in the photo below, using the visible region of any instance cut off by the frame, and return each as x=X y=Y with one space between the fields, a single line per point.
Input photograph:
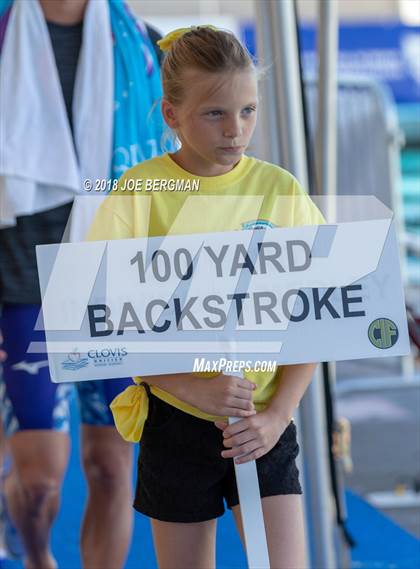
x=185 y=467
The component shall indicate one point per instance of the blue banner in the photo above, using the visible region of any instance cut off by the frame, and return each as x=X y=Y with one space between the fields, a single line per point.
x=388 y=52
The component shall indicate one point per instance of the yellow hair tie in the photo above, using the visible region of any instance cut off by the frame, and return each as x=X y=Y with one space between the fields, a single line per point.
x=166 y=42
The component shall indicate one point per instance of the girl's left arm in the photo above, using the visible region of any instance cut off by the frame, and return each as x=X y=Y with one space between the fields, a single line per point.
x=251 y=438
x=293 y=383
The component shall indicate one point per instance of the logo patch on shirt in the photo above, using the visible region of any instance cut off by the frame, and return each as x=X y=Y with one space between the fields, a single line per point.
x=258 y=224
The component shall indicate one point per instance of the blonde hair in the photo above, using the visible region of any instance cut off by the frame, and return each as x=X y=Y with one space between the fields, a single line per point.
x=205 y=49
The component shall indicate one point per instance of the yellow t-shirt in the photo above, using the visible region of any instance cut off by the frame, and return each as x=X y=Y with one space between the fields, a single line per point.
x=253 y=194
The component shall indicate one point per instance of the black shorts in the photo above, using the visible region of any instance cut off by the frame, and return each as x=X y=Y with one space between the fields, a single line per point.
x=183 y=478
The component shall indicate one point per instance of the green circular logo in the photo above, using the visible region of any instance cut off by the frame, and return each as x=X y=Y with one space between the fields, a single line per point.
x=383 y=333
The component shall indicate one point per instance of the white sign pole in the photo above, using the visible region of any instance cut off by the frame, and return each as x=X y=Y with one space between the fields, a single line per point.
x=251 y=513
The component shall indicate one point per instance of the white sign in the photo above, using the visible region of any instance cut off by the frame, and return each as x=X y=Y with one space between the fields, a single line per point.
x=158 y=305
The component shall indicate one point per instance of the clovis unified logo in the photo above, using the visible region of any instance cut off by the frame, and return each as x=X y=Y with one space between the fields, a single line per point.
x=74 y=361
x=107 y=356
x=99 y=358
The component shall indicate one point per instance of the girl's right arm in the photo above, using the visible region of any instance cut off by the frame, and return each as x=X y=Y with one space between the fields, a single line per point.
x=223 y=395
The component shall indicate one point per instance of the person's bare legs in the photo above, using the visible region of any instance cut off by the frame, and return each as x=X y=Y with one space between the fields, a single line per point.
x=108 y=519
x=285 y=529
x=39 y=461
x=185 y=545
